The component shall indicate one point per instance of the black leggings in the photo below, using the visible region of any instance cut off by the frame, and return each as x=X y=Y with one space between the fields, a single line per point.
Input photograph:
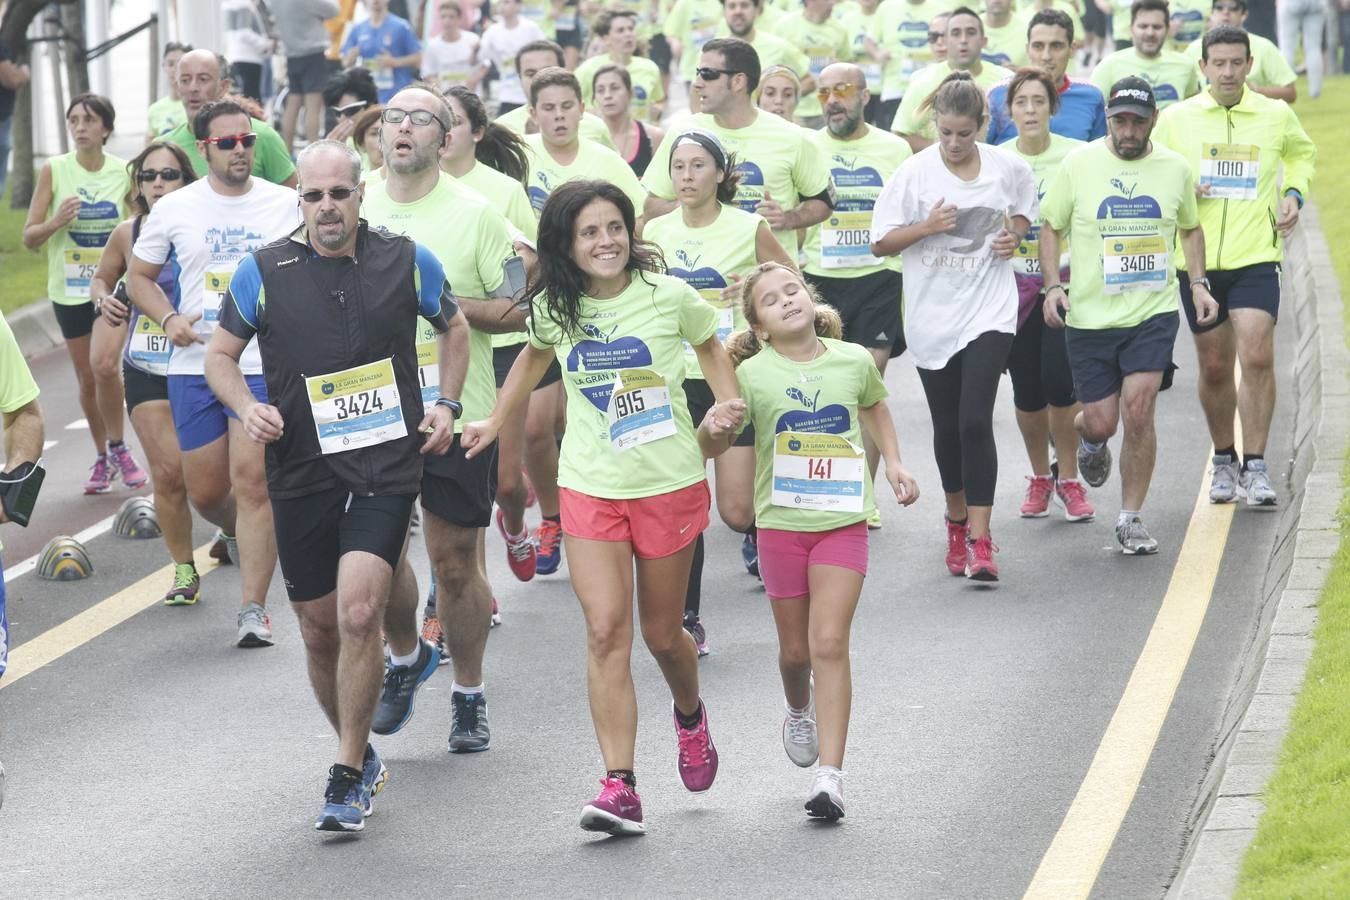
x=1039 y=366
x=961 y=401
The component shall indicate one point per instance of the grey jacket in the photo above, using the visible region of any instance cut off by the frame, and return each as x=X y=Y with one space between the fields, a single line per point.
x=300 y=24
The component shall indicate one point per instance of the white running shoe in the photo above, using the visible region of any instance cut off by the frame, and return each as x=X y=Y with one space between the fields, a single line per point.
x=799 y=733
x=826 y=800
x=1255 y=482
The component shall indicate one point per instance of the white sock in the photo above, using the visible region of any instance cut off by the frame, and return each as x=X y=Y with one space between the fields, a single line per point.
x=405 y=660
x=456 y=686
x=1125 y=516
x=821 y=770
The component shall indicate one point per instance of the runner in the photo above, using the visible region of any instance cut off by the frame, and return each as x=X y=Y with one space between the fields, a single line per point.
x=615 y=28
x=957 y=211
x=1007 y=34
x=503 y=43
x=386 y=46
x=861 y=21
x=532 y=59
x=1252 y=163
x=812 y=500
x=779 y=92
x=1038 y=364
x=451 y=58
x=1270 y=74
x=207 y=228
x=612 y=87
x=689 y=25
x=908 y=33
x=79 y=199
x=166 y=113
x=741 y=19
x=1172 y=75
x=1122 y=202
x=130 y=348
x=416 y=199
x=1080 y=111
x=345 y=445
x=840 y=266
x=600 y=308
x=823 y=38
x=712 y=245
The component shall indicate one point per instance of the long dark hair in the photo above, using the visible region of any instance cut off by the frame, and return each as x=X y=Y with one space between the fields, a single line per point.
x=499 y=148
x=135 y=198
x=560 y=280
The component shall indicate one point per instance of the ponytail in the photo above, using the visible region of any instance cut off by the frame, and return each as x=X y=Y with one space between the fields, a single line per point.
x=957 y=95
x=744 y=344
x=499 y=147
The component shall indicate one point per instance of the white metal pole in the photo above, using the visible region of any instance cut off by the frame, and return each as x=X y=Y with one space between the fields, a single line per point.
x=96 y=27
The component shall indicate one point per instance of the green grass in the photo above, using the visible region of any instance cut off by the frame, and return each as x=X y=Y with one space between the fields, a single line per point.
x=1302 y=846
x=24 y=278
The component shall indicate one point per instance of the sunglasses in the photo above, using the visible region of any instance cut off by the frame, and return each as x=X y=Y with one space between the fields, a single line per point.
x=228 y=142
x=842 y=91
x=935 y=36
x=706 y=73
x=338 y=194
x=351 y=109
x=394 y=116
x=148 y=175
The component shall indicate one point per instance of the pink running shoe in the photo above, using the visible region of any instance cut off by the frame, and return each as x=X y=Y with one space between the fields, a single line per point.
x=697 y=760
x=1071 y=494
x=1039 y=490
x=958 y=537
x=982 y=566
x=521 y=554
x=618 y=809
x=101 y=476
x=133 y=476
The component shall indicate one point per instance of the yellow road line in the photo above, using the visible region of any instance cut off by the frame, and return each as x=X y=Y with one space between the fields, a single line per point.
x=1075 y=857
x=80 y=629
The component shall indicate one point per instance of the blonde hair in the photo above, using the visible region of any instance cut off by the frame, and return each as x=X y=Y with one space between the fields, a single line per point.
x=744 y=344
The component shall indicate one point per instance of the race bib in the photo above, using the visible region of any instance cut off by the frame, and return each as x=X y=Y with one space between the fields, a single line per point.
x=872 y=71
x=428 y=365
x=844 y=240
x=357 y=407
x=726 y=318
x=384 y=78
x=1230 y=171
x=450 y=79
x=1027 y=260
x=80 y=266
x=213 y=295
x=148 y=347
x=639 y=409
x=817 y=471
x=1134 y=263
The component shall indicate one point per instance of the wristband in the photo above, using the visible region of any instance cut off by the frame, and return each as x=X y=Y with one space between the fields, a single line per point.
x=453 y=405
x=166 y=318
x=1061 y=286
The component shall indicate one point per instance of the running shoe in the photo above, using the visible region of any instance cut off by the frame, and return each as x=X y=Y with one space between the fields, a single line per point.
x=697 y=757
x=468 y=723
x=344 y=807
x=826 y=800
x=1255 y=482
x=548 y=547
x=521 y=554
x=400 y=689
x=1094 y=465
x=618 y=809
x=981 y=566
x=874 y=520
x=1134 y=538
x=1039 y=490
x=694 y=626
x=255 y=628
x=374 y=775
x=187 y=586
x=799 y=733
x=496 y=614
x=958 y=546
x=225 y=549
x=432 y=634
x=101 y=476
x=750 y=553
x=133 y=476
x=1071 y=494
x=1223 y=479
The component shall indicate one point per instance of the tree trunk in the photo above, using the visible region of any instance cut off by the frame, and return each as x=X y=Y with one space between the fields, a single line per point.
x=73 y=47
x=18 y=14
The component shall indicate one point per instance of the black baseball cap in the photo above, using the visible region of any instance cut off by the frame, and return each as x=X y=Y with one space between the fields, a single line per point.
x=1131 y=95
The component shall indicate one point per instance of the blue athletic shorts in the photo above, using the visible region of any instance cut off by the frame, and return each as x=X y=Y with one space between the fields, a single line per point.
x=1250 y=287
x=198 y=417
x=1101 y=358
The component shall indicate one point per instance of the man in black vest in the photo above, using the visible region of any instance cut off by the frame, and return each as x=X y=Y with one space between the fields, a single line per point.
x=345 y=433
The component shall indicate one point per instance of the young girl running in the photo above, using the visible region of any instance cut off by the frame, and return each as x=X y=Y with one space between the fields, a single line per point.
x=633 y=490
x=809 y=395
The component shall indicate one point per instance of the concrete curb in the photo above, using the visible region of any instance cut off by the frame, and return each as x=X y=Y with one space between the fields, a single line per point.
x=1230 y=804
x=35 y=328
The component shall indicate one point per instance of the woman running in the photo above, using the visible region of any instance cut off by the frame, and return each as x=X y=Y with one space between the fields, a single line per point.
x=634 y=492
x=956 y=212
x=778 y=93
x=79 y=199
x=712 y=244
x=635 y=140
x=132 y=349
x=1039 y=364
x=809 y=395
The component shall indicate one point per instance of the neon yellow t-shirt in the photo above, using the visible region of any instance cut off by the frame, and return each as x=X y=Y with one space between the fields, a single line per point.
x=861 y=25
x=632 y=345
x=910 y=120
x=591 y=161
x=73 y=252
x=164 y=115
x=820 y=397
x=693 y=23
x=705 y=259
x=1190 y=18
x=823 y=44
x=1269 y=67
x=1172 y=75
x=508 y=195
x=592 y=128
x=838 y=247
x=646 y=78
x=1122 y=218
x=1007 y=45
x=773 y=156
x=1043 y=166
x=902 y=30
x=472 y=253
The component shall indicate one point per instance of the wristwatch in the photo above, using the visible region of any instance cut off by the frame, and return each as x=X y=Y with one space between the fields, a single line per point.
x=453 y=405
x=1204 y=281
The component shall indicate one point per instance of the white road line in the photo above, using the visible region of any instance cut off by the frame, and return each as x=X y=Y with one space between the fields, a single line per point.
x=78 y=423
x=47 y=445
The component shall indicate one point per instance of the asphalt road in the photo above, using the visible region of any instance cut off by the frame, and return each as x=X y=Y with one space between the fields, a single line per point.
x=158 y=759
